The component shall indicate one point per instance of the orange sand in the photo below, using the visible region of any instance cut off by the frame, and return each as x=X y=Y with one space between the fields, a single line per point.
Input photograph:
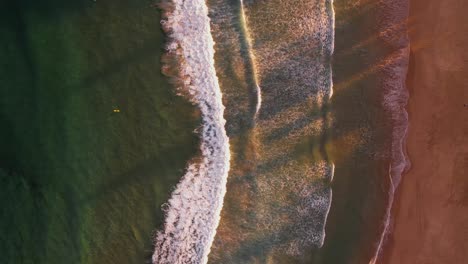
x=431 y=209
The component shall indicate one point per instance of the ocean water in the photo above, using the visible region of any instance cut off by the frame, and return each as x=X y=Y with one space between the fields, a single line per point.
x=80 y=183
x=282 y=51
x=249 y=132
x=292 y=182
x=294 y=138
x=192 y=213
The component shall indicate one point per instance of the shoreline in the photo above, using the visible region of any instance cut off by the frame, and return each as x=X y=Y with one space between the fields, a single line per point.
x=396 y=96
x=364 y=54
x=429 y=223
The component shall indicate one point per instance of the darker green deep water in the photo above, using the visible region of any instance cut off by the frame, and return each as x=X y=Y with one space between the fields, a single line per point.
x=80 y=183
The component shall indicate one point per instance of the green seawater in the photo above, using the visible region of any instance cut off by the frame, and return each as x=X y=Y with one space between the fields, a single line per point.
x=80 y=183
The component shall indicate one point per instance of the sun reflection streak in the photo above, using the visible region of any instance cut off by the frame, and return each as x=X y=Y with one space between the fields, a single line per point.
x=384 y=62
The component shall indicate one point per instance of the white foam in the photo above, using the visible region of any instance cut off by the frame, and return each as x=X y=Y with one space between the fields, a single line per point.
x=193 y=211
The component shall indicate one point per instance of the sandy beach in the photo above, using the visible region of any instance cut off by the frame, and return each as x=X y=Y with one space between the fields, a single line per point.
x=430 y=214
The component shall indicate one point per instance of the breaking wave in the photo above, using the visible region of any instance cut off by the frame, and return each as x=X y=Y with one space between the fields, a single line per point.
x=193 y=211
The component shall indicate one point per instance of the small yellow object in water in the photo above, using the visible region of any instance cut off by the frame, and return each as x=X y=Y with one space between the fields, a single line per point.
x=116 y=110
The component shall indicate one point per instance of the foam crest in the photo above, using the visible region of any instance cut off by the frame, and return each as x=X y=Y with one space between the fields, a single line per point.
x=193 y=211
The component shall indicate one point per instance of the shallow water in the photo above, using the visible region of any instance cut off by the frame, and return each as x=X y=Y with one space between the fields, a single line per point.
x=281 y=165
x=352 y=129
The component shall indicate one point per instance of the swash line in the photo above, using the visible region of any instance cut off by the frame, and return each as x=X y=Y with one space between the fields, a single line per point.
x=251 y=58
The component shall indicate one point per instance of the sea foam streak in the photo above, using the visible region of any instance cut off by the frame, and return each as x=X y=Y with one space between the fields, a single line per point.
x=193 y=211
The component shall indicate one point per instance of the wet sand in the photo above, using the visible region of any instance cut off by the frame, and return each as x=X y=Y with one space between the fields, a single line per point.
x=431 y=208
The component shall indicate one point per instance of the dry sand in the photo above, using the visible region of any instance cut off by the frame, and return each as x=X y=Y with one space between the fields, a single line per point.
x=431 y=209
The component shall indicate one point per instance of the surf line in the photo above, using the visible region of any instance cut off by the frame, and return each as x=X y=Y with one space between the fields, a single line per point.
x=330 y=172
x=332 y=49
x=192 y=213
x=251 y=57
x=386 y=222
x=395 y=101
